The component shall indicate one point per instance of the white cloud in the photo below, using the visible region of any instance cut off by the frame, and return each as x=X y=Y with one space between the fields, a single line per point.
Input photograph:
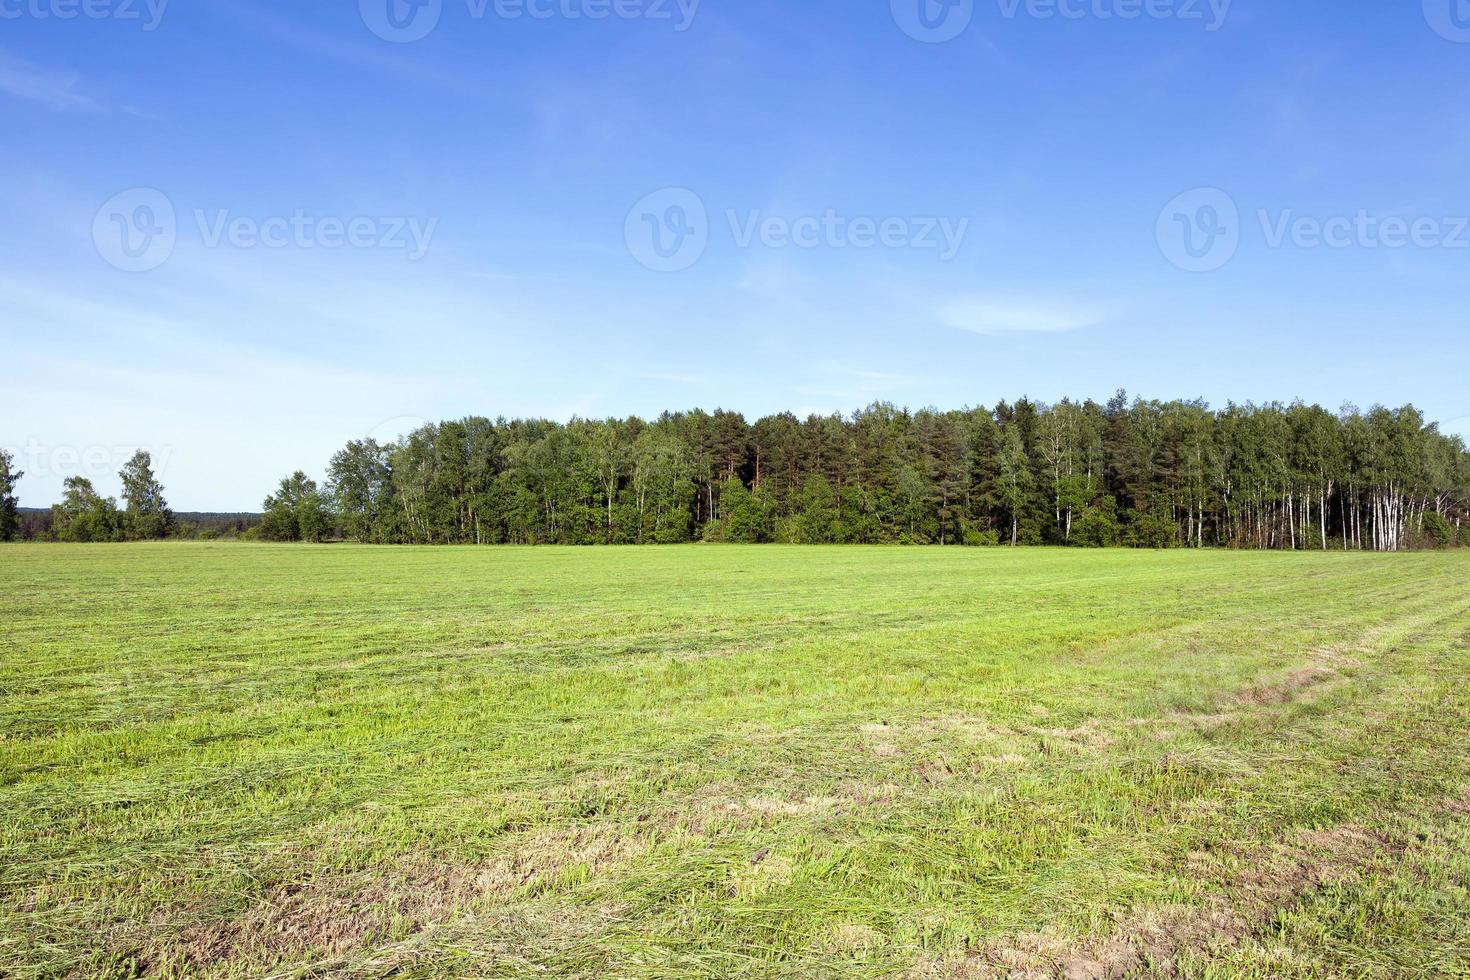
x=988 y=316
x=675 y=377
x=773 y=279
x=24 y=80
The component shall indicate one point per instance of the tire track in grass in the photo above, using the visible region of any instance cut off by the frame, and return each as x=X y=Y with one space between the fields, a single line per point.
x=1244 y=889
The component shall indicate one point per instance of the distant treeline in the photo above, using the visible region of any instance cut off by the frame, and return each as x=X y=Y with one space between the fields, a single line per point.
x=1126 y=473
x=84 y=515
x=1136 y=473
x=36 y=524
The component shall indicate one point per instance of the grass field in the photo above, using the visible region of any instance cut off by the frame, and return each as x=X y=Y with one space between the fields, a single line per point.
x=233 y=760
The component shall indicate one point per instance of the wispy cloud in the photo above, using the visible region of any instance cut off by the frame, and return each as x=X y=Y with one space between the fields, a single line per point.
x=674 y=377
x=775 y=279
x=845 y=385
x=55 y=90
x=365 y=53
x=990 y=316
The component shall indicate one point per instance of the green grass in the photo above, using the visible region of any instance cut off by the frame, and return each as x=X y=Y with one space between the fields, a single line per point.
x=231 y=760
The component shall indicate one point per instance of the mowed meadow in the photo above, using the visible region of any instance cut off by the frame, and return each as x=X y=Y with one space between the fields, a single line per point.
x=228 y=760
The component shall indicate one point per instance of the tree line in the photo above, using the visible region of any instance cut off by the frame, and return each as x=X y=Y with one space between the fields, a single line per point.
x=86 y=515
x=1123 y=473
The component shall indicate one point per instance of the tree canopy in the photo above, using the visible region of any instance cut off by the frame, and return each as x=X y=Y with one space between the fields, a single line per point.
x=148 y=515
x=85 y=515
x=1128 y=472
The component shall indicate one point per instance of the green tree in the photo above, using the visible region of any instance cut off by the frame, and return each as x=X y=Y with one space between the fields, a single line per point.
x=360 y=484
x=9 y=502
x=817 y=519
x=148 y=517
x=742 y=513
x=1098 y=526
x=1016 y=480
x=84 y=515
x=297 y=511
x=662 y=486
x=915 y=500
x=1155 y=528
x=946 y=466
x=1437 y=530
x=1267 y=476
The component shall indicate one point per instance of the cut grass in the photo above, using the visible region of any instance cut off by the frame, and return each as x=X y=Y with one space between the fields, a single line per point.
x=231 y=760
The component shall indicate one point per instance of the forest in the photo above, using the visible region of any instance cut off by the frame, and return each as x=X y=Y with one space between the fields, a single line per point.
x=1137 y=473
x=1125 y=473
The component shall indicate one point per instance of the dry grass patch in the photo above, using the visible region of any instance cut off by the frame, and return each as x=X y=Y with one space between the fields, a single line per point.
x=1248 y=891
x=1287 y=689
x=334 y=915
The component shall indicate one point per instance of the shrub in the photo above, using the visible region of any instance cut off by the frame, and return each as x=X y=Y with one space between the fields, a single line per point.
x=1155 y=529
x=744 y=514
x=1098 y=526
x=676 y=531
x=1437 y=530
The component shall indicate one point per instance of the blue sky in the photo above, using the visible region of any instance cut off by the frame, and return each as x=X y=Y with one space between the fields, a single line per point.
x=1065 y=155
